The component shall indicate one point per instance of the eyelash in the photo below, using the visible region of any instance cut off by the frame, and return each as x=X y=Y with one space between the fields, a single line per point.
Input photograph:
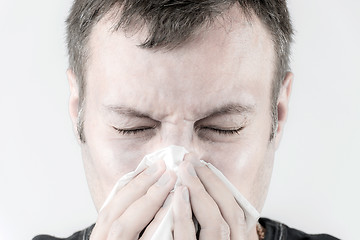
x=225 y=132
x=139 y=130
x=132 y=131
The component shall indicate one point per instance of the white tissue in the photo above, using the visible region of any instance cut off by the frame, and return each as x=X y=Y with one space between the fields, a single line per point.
x=173 y=156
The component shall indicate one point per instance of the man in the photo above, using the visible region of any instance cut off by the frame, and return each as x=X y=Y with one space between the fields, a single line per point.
x=211 y=76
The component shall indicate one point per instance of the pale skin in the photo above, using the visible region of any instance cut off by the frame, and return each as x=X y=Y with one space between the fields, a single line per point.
x=211 y=95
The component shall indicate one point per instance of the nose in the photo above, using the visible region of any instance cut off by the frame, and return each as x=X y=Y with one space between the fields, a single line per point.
x=180 y=133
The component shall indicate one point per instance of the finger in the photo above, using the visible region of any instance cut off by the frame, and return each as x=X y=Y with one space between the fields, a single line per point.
x=153 y=226
x=142 y=211
x=134 y=190
x=213 y=225
x=183 y=224
x=229 y=208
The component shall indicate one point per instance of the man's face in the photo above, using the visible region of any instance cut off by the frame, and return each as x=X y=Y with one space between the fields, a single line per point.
x=212 y=95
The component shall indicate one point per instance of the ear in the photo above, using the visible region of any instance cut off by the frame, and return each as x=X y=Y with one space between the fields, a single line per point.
x=74 y=99
x=283 y=106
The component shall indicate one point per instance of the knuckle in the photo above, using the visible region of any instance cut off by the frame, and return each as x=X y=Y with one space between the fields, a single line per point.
x=238 y=217
x=104 y=218
x=197 y=189
x=153 y=199
x=118 y=230
x=183 y=215
x=139 y=184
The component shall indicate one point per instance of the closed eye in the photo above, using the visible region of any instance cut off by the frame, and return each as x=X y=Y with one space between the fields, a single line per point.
x=134 y=131
x=223 y=131
x=138 y=130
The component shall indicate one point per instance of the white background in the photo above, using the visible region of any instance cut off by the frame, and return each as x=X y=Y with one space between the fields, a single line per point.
x=316 y=179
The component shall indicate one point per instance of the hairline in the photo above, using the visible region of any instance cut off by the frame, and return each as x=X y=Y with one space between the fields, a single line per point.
x=112 y=14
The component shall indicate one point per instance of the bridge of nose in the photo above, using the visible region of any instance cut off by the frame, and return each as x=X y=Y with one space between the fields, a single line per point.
x=179 y=132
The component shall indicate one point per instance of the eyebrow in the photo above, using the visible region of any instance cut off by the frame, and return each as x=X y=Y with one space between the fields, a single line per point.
x=121 y=110
x=232 y=108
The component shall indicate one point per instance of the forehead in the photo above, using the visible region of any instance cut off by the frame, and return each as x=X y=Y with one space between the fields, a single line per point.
x=225 y=61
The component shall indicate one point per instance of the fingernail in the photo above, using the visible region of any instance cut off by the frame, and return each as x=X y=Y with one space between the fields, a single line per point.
x=191 y=170
x=164 y=179
x=151 y=169
x=185 y=193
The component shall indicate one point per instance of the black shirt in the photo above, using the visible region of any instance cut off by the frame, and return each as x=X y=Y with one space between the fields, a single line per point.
x=273 y=231
x=279 y=231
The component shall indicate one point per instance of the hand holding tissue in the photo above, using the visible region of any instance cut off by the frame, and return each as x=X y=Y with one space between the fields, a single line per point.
x=173 y=156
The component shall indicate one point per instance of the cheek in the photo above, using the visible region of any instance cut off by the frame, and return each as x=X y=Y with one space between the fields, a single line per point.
x=111 y=159
x=105 y=162
x=106 y=159
x=247 y=165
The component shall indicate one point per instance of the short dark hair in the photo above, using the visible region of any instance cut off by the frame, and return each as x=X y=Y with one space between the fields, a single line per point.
x=171 y=23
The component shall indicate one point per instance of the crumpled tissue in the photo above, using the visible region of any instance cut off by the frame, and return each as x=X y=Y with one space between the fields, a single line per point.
x=173 y=156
